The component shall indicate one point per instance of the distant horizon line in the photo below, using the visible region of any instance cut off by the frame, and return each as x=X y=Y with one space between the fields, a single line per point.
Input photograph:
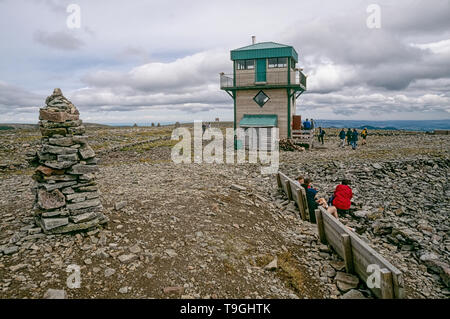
x=186 y=122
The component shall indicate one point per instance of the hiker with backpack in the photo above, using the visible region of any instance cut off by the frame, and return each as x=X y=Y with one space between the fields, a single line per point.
x=321 y=134
x=342 y=136
x=364 y=136
x=349 y=136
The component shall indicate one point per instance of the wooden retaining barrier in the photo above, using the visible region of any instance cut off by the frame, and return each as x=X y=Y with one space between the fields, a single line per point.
x=359 y=258
x=296 y=193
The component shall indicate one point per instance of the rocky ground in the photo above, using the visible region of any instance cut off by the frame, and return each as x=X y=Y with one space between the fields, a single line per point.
x=225 y=231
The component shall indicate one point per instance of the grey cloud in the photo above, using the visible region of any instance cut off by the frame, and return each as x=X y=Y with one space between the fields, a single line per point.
x=119 y=101
x=13 y=99
x=62 y=40
x=419 y=17
x=376 y=103
x=188 y=72
x=352 y=69
x=379 y=58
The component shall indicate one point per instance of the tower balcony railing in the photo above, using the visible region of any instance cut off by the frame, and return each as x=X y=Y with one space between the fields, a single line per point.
x=248 y=78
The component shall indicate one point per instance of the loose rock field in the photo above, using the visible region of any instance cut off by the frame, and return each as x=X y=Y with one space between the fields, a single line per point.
x=210 y=231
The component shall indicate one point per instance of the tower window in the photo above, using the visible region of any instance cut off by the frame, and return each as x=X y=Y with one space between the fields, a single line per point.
x=277 y=63
x=245 y=64
x=261 y=98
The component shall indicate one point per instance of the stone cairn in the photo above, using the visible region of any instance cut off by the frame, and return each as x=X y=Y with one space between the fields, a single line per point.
x=66 y=194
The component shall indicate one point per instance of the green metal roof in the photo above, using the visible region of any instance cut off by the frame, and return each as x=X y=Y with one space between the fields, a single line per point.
x=259 y=120
x=264 y=50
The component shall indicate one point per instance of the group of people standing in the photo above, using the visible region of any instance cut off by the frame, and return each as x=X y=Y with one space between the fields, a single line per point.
x=309 y=125
x=352 y=137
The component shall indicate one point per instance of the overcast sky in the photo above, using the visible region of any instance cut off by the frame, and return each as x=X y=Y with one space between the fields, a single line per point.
x=159 y=61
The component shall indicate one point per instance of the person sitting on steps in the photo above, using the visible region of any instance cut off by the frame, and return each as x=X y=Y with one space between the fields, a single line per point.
x=300 y=180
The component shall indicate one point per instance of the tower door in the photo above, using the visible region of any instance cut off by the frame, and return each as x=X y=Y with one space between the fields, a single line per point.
x=260 y=70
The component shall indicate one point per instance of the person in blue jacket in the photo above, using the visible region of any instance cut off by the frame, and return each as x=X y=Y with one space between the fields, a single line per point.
x=310 y=197
x=354 y=138
x=307 y=125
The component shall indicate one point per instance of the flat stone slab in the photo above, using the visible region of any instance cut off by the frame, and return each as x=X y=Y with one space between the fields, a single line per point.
x=80 y=169
x=76 y=227
x=62 y=141
x=86 y=152
x=85 y=204
x=47 y=170
x=55 y=116
x=68 y=158
x=50 y=200
x=50 y=187
x=51 y=223
x=83 y=217
x=53 y=131
x=60 y=164
x=58 y=150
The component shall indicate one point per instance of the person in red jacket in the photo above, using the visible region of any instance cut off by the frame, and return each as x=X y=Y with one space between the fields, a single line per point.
x=341 y=199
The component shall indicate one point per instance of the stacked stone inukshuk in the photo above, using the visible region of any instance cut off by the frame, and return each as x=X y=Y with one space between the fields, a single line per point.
x=67 y=197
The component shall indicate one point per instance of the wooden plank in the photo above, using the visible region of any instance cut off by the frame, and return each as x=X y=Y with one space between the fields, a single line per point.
x=279 y=181
x=399 y=287
x=387 y=291
x=296 y=196
x=360 y=268
x=301 y=199
x=359 y=256
x=368 y=256
x=333 y=237
x=362 y=254
x=288 y=189
x=348 y=257
x=320 y=228
x=305 y=203
x=284 y=179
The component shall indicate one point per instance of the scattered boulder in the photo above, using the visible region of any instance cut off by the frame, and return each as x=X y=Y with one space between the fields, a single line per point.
x=353 y=294
x=345 y=281
x=273 y=265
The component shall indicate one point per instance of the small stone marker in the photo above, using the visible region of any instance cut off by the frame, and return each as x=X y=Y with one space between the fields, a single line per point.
x=66 y=195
